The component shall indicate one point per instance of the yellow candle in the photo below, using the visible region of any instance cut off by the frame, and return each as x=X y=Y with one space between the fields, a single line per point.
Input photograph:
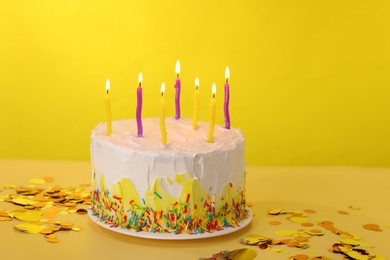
x=162 y=116
x=108 y=108
x=213 y=103
x=196 y=105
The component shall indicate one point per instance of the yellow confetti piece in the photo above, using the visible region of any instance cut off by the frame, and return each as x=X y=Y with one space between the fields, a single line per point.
x=357 y=255
x=285 y=233
x=299 y=219
x=30 y=228
x=350 y=241
x=355 y=207
x=22 y=201
x=356 y=237
x=315 y=232
x=274 y=211
x=29 y=216
x=77 y=229
x=72 y=211
x=5 y=218
x=276 y=249
x=37 y=181
x=255 y=240
x=9 y=186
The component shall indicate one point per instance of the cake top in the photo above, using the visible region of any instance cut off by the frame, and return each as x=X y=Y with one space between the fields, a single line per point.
x=182 y=138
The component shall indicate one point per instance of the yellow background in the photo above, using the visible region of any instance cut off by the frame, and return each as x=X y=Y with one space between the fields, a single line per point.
x=309 y=79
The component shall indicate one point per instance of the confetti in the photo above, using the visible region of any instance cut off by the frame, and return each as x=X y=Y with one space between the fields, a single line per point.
x=239 y=254
x=81 y=211
x=354 y=207
x=372 y=227
x=343 y=212
x=254 y=240
x=37 y=181
x=349 y=245
x=48 y=179
x=29 y=216
x=9 y=186
x=53 y=240
x=353 y=252
x=22 y=201
x=77 y=229
x=274 y=223
x=299 y=219
x=30 y=228
x=5 y=218
x=285 y=233
x=38 y=207
x=299 y=257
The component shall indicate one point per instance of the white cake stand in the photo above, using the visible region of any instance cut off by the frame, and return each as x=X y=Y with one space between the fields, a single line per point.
x=167 y=236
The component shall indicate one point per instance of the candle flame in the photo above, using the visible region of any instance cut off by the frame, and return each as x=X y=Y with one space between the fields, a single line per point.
x=107 y=85
x=162 y=89
x=227 y=74
x=214 y=90
x=196 y=83
x=140 y=78
x=177 y=67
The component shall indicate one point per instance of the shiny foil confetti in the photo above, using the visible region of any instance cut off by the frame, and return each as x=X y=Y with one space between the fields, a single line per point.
x=349 y=245
x=238 y=254
x=38 y=207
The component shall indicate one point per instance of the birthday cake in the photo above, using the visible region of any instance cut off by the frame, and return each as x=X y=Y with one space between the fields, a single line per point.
x=189 y=186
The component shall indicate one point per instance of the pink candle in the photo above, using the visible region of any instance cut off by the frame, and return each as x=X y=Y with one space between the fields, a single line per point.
x=177 y=87
x=139 y=106
x=227 y=97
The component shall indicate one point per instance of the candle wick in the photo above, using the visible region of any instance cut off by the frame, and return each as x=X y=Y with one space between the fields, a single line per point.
x=139 y=85
x=177 y=75
x=227 y=80
x=108 y=91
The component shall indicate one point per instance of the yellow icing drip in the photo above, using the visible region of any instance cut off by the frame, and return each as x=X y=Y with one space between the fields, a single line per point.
x=157 y=197
x=192 y=192
x=128 y=194
x=102 y=183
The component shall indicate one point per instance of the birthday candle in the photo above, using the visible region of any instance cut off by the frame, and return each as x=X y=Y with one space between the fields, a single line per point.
x=162 y=116
x=213 y=103
x=139 y=106
x=108 y=108
x=196 y=105
x=177 y=87
x=227 y=96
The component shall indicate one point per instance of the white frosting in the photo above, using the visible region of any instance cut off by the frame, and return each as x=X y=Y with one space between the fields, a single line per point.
x=141 y=159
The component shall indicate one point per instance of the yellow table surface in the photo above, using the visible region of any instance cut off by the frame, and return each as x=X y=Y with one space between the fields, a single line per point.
x=324 y=189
